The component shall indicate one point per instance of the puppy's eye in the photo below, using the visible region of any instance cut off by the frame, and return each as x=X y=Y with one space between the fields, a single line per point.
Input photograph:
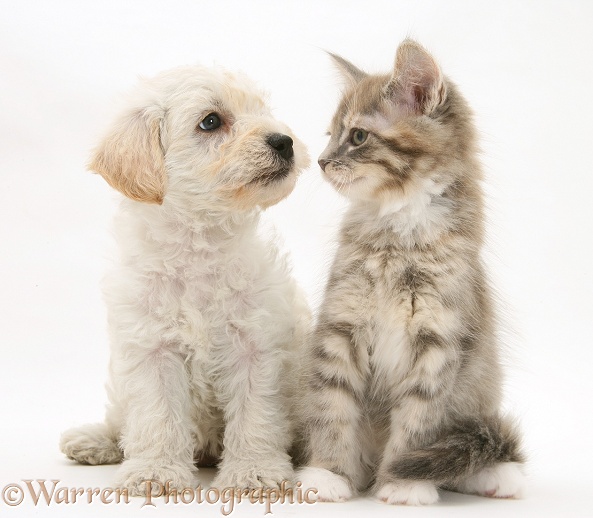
x=211 y=122
x=358 y=136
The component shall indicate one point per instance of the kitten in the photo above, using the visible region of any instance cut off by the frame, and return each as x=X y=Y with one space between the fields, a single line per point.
x=402 y=382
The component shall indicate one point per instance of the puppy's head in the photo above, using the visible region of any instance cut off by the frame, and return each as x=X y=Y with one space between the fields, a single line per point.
x=199 y=138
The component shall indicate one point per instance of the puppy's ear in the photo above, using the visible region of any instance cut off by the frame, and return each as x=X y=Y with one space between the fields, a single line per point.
x=131 y=159
x=417 y=81
x=351 y=74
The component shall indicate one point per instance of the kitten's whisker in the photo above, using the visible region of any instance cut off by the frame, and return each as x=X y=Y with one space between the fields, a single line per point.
x=350 y=180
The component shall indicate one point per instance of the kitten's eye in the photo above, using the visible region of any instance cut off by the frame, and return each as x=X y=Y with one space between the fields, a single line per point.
x=358 y=136
x=211 y=122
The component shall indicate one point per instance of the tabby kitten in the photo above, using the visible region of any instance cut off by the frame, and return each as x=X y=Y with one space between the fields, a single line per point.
x=403 y=379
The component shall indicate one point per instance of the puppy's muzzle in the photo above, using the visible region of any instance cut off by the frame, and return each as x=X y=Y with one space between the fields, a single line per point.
x=282 y=144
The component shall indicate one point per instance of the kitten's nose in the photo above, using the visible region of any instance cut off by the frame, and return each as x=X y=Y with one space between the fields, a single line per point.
x=282 y=144
x=322 y=163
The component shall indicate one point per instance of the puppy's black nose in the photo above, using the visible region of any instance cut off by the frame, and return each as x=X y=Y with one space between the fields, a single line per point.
x=282 y=144
x=322 y=163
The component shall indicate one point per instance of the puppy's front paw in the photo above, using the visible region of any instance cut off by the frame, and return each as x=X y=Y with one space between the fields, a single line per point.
x=140 y=477
x=330 y=487
x=91 y=444
x=255 y=474
x=409 y=492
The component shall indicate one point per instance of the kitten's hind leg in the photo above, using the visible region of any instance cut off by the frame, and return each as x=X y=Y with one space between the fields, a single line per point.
x=91 y=444
x=503 y=480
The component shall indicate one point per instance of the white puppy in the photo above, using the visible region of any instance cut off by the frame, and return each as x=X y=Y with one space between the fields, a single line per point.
x=204 y=318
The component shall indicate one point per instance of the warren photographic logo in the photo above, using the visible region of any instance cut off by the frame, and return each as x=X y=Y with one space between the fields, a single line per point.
x=43 y=492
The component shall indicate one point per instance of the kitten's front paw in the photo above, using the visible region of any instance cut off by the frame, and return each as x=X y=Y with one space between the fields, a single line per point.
x=505 y=480
x=252 y=475
x=330 y=487
x=409 y=492
x=140 y=477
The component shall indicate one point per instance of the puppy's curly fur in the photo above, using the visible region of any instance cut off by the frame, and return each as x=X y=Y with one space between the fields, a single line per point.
x=204 y=318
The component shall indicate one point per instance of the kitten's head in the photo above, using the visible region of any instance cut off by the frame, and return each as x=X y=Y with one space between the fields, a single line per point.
x=398 y=135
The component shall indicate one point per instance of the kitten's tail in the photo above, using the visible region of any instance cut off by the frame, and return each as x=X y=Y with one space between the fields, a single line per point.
x=466 y=448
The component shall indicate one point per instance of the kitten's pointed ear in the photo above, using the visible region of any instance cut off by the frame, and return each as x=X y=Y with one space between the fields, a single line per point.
x=349 y=72
x=130 y=158
x=417 y=81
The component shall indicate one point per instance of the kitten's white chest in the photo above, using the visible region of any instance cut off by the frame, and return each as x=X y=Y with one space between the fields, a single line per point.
x=420 y=216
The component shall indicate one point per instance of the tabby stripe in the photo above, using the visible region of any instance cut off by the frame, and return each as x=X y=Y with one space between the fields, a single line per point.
x=424 y=341
x=343 y=329
x=397 y=149
x=326 y=421
x=321 y=382
x=467 y=343
x=420 y=391
x=414 y=278
x=320 y=353
x=398 y=173
x=425 y=338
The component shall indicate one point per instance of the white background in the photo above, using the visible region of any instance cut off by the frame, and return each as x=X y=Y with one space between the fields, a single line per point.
x=526 y=69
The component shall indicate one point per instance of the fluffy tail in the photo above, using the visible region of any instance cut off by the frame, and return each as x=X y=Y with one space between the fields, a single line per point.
x=466 y=448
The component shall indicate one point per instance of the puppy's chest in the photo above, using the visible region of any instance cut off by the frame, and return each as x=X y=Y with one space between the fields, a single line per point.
x=191 y=303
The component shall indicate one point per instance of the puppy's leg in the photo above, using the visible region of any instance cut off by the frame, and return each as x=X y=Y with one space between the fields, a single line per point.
x=156 y=435
x=97 y=443
x=206 y=415
x=257 y=431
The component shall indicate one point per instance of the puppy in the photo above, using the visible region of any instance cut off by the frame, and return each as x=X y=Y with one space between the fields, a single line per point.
x=204 y=318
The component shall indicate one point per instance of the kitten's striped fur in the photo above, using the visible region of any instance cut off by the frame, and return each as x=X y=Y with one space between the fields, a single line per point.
x=402 y=382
